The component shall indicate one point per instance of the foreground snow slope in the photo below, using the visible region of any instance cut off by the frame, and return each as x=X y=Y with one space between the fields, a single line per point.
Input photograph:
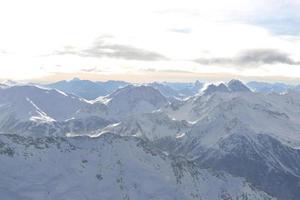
x=108 y=167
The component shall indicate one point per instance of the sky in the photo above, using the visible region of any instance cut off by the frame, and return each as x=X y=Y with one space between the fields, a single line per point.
x=144 y=41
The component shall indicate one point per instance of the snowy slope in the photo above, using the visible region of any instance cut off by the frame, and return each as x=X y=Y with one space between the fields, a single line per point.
x=151 y=126
x=108 y=167
x=30 y=101
x=32 y=110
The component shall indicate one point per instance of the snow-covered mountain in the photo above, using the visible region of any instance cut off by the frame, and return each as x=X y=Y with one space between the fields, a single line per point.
x=264 y=113
x=31 y=102
x=247 y=134
x=237 y=86
x=132 y=100
x=108 y=167
x=34 y=110
x=31 y=109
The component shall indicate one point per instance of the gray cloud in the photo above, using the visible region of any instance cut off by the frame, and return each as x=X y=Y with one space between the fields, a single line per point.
x=251 y=58
x=102 y=49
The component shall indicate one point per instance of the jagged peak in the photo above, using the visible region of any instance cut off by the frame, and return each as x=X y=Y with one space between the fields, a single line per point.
x=216 y=88
x=232 y=86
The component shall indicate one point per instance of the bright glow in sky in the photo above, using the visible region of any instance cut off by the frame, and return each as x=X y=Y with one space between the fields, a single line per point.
x=155 y=40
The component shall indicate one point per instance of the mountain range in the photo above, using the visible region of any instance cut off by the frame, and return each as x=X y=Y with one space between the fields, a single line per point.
x=149 y=141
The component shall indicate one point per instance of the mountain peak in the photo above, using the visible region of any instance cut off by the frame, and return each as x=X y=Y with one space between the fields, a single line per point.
x=232 y=86
x=137 y=91
x=133 y=99
x=237 y=86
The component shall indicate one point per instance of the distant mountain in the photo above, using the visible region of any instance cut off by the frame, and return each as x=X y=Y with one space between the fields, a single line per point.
x=185 y=89
x=264 y=87
x=87 y=89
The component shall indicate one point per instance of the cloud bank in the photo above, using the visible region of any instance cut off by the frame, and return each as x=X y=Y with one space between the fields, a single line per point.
x=101 y=49
x=251 y=58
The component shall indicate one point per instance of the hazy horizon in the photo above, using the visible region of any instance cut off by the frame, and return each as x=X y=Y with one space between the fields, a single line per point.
x=137 y=79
